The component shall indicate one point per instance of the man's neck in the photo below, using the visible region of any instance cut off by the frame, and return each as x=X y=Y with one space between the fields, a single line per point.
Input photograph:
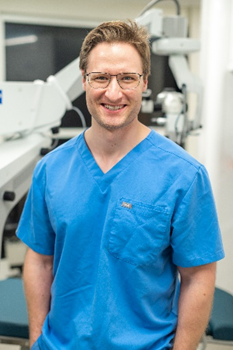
x=108 y=147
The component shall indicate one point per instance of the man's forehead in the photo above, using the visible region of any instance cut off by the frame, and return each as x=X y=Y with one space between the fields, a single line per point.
x=115 y=53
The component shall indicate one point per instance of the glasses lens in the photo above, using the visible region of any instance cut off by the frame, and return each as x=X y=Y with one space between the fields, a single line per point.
x=128 y=81
x=98 y=80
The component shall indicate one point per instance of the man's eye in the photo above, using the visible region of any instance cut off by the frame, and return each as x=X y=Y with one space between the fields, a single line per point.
x=128 y=78
x=100 y=78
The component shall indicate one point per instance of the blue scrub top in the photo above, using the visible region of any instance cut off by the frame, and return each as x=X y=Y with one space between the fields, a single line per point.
x=117 y=239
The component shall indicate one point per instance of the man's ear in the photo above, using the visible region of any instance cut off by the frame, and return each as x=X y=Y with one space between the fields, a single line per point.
x=83 y=79
x=145 y=83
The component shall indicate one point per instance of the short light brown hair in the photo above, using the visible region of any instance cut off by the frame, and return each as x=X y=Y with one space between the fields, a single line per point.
x=118 y=31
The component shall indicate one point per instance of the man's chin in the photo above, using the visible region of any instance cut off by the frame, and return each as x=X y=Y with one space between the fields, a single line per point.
x=114 y=126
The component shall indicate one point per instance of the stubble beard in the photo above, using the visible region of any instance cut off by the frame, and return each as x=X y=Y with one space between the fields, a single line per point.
x=117 y=126
x=127 y=120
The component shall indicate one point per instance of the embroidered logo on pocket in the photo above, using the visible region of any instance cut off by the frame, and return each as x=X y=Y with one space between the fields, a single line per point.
x=126 y=205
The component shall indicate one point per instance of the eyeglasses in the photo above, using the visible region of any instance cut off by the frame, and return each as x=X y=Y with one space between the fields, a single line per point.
x=127 y=81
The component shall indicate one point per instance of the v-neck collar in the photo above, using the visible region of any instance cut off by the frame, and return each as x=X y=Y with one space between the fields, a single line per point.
x=105 y=179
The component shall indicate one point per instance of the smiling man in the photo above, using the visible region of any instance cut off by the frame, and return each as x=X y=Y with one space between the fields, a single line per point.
x=120 y=222
x=114 y=101
x=117 y=105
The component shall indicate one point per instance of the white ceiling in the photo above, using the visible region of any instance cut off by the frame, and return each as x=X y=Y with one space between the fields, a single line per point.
x=190 y=2
x=94 y=11
x=165 y=2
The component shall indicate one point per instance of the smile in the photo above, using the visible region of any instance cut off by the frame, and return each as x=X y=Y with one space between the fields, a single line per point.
x=113 y=108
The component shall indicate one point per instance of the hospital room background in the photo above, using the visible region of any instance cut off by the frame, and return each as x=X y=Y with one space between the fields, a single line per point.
x=55 y=30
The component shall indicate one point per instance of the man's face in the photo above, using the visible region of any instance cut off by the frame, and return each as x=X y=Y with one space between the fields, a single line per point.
x=113 y=108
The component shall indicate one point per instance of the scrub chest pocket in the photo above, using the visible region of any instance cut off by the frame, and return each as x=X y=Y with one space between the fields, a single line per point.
x=138 y=232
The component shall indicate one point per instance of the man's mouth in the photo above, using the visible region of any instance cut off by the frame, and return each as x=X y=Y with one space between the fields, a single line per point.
x=113 y=108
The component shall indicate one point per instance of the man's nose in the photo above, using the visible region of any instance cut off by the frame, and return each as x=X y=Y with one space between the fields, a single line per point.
x=113 y=90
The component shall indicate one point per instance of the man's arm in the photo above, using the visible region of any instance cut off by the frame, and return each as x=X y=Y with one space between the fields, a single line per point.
x=195 y=302
x=38 y=278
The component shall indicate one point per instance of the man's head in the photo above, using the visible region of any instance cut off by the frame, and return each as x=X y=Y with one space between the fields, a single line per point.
x=116 y=32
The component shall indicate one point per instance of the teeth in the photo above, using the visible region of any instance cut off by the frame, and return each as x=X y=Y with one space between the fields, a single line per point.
x=112 y=108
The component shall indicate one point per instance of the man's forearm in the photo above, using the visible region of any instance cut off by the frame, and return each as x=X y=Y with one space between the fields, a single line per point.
x=38 y=278
x=196 y=296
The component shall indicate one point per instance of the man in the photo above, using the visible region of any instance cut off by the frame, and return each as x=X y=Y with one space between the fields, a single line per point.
x=114 y=217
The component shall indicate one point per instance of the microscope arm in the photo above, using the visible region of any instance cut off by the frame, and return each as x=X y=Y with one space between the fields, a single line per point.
x=184 y=77
x=70 y=80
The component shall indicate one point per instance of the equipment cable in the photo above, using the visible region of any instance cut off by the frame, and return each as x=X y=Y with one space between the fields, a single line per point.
x=154 y=2
x=81 y=116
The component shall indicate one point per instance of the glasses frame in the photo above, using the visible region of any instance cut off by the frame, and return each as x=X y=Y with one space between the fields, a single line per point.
x=109 y=80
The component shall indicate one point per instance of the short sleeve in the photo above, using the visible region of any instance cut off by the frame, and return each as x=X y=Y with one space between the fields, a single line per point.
x=196 y=238
x=35 y=228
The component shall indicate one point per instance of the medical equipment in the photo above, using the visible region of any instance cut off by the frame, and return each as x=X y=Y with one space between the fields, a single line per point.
x=169 y=38
x=29 y=110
